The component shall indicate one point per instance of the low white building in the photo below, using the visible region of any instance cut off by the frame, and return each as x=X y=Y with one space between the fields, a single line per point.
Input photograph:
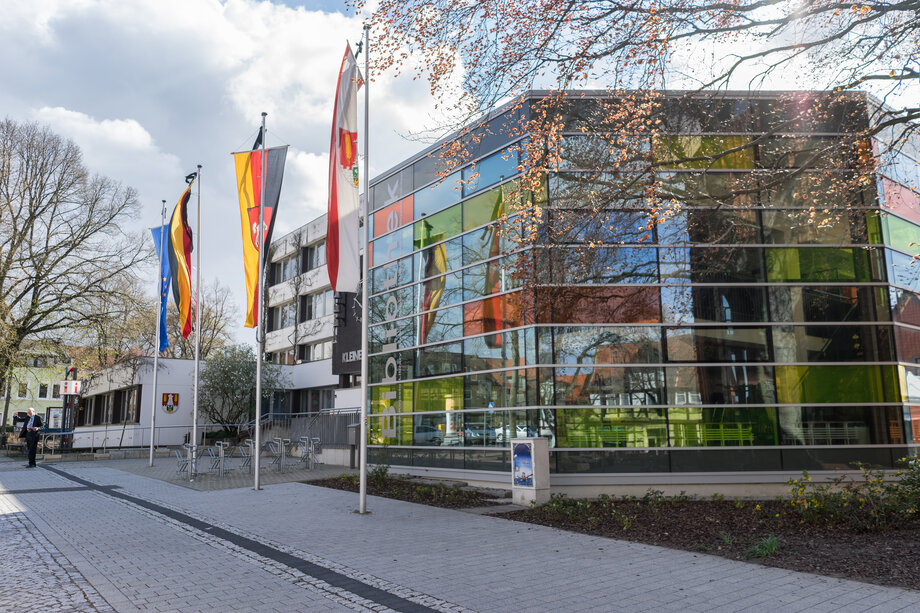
x=116 y=403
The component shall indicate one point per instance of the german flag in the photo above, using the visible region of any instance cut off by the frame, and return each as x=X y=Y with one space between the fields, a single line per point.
x=180 y=260
x=249 y=185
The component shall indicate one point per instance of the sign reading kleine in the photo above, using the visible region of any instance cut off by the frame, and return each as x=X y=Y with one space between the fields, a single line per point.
x=170 y=402
x=70 y=388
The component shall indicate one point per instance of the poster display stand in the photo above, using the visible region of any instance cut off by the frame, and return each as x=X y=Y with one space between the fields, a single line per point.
x=529 y=471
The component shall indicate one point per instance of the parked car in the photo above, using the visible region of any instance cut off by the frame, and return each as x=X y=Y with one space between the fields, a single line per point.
x=476 y=433
x=503 y=433
x=427 y=435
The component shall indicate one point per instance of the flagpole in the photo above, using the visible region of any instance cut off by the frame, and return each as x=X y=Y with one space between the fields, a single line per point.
x=156 y=341
x=197 y=326
x=260 y=328
x=362 y=504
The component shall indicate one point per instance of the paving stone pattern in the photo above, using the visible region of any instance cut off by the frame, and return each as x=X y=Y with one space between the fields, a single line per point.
x=138 y=558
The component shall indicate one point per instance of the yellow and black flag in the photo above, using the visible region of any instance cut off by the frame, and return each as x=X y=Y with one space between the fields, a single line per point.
x=249 y=185
x=180 y=259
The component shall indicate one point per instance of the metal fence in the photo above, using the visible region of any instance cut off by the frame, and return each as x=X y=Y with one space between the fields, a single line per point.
x=329 y=427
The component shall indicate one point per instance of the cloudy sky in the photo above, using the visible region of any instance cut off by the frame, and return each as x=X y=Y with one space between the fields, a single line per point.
x=151 y=88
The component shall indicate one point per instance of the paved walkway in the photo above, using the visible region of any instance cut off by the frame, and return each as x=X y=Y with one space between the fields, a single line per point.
x=96 y=538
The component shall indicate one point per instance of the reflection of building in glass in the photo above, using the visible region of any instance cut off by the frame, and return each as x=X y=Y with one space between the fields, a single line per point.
x=770 y=322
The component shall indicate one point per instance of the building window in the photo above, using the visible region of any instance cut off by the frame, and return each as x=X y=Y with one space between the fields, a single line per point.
x=284 y=357
x=23 y=390
x=284 y=316
x=43 y=391
x=316 y=351
x=284 y=270
x=56 y=390
x=313 y=256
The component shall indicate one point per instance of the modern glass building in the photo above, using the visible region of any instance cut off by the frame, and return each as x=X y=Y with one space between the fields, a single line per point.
x=769 y=322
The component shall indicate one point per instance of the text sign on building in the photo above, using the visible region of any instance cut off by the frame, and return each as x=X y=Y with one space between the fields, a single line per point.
x=170 y=402
x=346 y=344
x=70 y=388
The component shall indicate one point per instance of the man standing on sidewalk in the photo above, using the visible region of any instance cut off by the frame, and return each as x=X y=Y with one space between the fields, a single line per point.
x=30 y=432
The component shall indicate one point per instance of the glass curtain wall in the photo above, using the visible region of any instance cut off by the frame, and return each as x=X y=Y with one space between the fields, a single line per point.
x=760 y=323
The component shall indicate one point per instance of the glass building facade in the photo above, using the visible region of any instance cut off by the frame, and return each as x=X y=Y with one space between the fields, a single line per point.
x=764 y=330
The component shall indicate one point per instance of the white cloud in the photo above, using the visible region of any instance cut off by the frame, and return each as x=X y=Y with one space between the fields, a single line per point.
x=151 y=88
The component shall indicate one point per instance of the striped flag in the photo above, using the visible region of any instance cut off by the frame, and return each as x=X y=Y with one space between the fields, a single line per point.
x=180 y=261
x=342 y=233
x=249 y=185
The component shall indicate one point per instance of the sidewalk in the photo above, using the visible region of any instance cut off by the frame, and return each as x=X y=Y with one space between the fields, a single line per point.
x=132 y=543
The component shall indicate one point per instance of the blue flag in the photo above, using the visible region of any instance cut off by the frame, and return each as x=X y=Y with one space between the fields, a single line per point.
x=165 y=276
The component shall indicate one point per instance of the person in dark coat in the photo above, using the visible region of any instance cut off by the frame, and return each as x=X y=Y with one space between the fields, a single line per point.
x=31 y=430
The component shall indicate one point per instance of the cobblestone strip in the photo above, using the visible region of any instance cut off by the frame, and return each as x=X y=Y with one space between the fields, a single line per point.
x=344 y=585
x=36 y=575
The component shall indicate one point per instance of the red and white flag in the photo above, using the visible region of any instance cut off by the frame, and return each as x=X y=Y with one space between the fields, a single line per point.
x=343 y=234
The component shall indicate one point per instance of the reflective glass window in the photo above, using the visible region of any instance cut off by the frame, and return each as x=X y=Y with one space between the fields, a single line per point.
x=722 y=426
x=804 y=226
x=437 y=227
x=818 y=191
x=604 y=345
x=908 y=342
x=400 y=334
x=491 y=277
x=588 y=385
x=390 y=275
x=598 y=304
x=725 y=264
x=395 y=398
x=713 y=304
x=837 y=383
x=391 y=305
x=440 y=325
x=717 y=345
x=710 y=189
x=817 y=264
x=740 y=384
x=901 y=200
x=444 y=394
x=833 y=343
x=391 y=367
x=486 y=207
x=703 y=151
x=903 y=270
x=611 y=427
x=490 y=170
x=600 y=265
x=391 y=246
x=512 y=348
x=905 y=306
x=566 y=226
x=824 y=303
x=392 y=217
x=808 y=152
x=390 y=429
x=437 y=196
x=437 y=260
x=491 y=241
x=720 y=226
x=838 y=425
x=492 y=314
x=509 y=388
x=442 y=359
x=901 y=234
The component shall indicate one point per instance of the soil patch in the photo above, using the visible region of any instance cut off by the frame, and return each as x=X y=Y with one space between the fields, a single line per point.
x=766 y=532
x=412 y=490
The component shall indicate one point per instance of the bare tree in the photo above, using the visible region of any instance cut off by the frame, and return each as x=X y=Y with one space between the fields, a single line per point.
x=62 y=241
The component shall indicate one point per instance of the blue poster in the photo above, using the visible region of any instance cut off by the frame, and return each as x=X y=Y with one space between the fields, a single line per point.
x=522 y=465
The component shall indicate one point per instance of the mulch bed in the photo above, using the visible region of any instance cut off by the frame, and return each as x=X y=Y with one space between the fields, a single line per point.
x=412 y=490
x=887 y=556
